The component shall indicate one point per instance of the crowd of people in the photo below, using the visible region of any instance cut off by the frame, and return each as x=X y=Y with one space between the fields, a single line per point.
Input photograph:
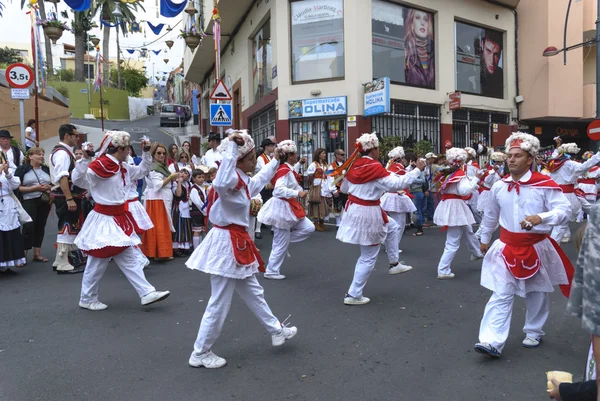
x=211 y=209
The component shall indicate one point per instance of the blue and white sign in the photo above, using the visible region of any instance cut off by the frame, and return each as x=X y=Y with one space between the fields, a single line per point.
x=327 y=106
x=377 y=97
x=220 y=115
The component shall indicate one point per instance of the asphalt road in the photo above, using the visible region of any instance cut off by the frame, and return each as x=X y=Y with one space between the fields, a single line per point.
x=414 y=341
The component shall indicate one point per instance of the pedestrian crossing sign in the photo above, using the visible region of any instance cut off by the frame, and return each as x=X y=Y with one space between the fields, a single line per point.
x=220 y=115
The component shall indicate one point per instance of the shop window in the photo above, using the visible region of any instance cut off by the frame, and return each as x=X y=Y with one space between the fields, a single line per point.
x=479 y=60
x=317 y=40
x=403 y=44
x=327 y=134
x=262 y=63
x=263 y=126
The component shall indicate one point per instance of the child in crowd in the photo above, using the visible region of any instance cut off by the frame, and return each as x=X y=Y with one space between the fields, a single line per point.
x=182 y=237
x=198 y=206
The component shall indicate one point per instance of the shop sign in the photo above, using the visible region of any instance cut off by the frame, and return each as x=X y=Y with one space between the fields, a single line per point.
x=377 y=97
x=454 y=103
x=327 y=106
x=317 y=11
x=567 y=131
x=351 y=121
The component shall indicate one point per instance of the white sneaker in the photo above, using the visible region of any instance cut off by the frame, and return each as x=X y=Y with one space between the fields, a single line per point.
x=286 y=334
x=446 y=276
x=350 y=300
x=207 y=360
x=154 y=296
x=93 y=305
x=271 y=276
x=530 y=342
x=399 y=251
x=399 y=268
x=566 y=240
x=477 y=257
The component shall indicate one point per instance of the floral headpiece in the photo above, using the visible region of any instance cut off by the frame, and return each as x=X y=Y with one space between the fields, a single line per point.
x=287 y=146
x=396 y=153
x=242 y=150
x=367 y=142
x=118 y=139
x=456 y=155
x=526 y=142
x=570 y=148
x=472 y=152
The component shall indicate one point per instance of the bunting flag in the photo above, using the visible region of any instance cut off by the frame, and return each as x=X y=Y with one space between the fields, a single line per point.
x=135 y=27
x=156 y=51
x=130 y=51
x=156 y=29
x=98 y=80
x=108 y=24
x=169 y=9
x=79 y=5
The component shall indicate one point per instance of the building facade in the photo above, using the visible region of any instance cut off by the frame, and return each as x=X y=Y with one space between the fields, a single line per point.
x=300 y=69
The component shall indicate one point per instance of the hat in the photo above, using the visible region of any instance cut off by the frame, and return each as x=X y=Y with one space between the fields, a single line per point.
x=470 y=151
x=521 y=140
x=498 y=156
x=214 y=137
x=267 y=142
x=396 y=153
x=456 y=155
x=367 y=142
x=242 y=150
x=431 y=155
x=5 y=134
x=570 y=148
x=287 y=146
x=118 y=139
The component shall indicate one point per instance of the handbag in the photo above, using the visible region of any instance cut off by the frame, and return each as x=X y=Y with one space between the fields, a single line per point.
x=76 y=258
x=45 y=197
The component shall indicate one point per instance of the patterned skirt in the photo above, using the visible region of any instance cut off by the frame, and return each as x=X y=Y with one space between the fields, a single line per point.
x=317 y=204
x=182 y=237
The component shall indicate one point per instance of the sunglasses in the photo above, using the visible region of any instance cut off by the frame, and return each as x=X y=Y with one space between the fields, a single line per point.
x=160 y=153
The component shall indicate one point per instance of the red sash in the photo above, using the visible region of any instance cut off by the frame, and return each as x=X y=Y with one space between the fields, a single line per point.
x=244 y=250
x=590 y=181
x=483 y=188
x=523 y=261
x=452 y=196
x=567 y=188
x=353 y=199
x=123 y=219
x=296 y=207
x=398 y=169
x=282 y=171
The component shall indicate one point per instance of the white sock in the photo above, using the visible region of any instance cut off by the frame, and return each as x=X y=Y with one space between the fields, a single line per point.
x=338 y=220
x=196 y=240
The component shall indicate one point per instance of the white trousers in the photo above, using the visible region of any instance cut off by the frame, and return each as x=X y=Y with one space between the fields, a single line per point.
x=453 y=237
x=368 y=257
x=400 y=219
x=560 y=232
x=221 y=289
x=477 y=215
x=495 y=324
x=281 y=242
x=130 y=263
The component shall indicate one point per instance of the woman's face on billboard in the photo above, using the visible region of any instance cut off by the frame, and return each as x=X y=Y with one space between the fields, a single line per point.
x=421 y=24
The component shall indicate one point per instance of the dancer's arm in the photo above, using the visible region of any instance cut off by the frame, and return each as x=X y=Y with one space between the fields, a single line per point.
x=491 y=219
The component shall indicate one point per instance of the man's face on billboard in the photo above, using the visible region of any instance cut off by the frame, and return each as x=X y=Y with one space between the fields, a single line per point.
x=491 y=56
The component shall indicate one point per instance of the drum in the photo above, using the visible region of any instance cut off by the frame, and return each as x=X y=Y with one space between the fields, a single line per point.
x=255 y=205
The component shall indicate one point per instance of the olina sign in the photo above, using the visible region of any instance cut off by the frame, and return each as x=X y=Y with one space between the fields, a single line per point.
x=317 y=10
x=377 y=97
x=328 y=106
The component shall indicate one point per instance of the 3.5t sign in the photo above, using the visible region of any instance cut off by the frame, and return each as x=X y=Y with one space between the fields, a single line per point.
x=19 y=76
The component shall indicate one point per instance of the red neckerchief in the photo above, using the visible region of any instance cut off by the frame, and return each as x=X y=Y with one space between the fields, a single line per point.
x=366 y=170
x=450 y=178
x=537 y=180
x=282 y=171
x=265 y=158
x=397 y=168
x=473 y=163
x=105 y=167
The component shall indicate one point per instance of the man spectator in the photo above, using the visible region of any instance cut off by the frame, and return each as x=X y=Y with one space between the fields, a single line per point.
x=11 y=153
x=492 y=76
x=212 y=158
x=431 y=170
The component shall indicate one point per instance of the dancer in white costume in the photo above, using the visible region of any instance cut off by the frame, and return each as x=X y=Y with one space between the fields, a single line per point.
x=587 y=185
x=565 y=172
x=397 y=204
x=453 y=212
x=525 y=261
x=364 y=222
x=491 y=175
x=110 y=229
x=283 y=211
x=472 y=169
x=228 y=254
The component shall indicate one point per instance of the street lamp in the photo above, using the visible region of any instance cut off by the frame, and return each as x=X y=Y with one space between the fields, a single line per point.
x=118 y=16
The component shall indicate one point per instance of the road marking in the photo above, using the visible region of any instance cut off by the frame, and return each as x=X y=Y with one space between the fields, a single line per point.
x=166 y=133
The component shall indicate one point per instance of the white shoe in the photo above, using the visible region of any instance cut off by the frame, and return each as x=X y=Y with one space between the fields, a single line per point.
x=530 y=342
x=274 y=276
x=286 y=334
x=399 y=251
x=154 y=296
x=565 y=240
x=93 y=305
x=477 y=257
x=207 y=360
x=399 y=268
x=446 y=276
x=350 y=300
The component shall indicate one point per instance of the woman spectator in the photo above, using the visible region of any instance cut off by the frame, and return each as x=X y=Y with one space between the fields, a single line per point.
x=187 y=146
x=417 y=190
x=11 y=240
x=317 y=204
x=183 y=161
x=157 y=242
x=30 y=135
x=35 y=199
x=172 y=155
x=135 y=160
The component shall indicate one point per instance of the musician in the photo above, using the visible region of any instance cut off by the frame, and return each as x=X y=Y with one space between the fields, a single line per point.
x=283 y=211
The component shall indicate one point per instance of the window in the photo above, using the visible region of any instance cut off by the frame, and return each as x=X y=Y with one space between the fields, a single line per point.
x=262 y=64
x=479 y=60
x=263 y=126
x=403 y=44
x=317 y=40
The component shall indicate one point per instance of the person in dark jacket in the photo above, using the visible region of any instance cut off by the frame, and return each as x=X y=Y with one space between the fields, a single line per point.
x=581 y=391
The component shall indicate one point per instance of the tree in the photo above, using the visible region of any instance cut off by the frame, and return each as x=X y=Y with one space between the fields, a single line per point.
x=1 y=8
x=10 y=56
x=133 y=80
x=81 y=26
x=47 y=42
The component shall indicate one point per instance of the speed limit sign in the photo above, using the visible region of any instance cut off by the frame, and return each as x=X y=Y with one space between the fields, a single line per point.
x=19 y=76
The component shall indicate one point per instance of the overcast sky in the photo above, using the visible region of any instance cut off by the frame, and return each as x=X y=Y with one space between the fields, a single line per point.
x=15 y=27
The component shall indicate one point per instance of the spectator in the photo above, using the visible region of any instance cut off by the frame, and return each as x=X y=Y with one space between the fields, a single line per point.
x=35 y=198
x=11 y=153
x=78 y=152
x=417 y=190
x=430 y=172
x=172 y=155
x=11 y=240
x=135 y=160
x=30 y=135
x=158 y=197
x=183 y=161
x=188 y=147
x=317 y=204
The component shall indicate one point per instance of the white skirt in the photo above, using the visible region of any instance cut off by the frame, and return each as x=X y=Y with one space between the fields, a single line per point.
x=215 y=256
x=393 y=202
x=482 y=200
x=140 y=215
x=591 y=191
x=100 y=231
x=495 y=275
x=474 y=199
x=453 y=213
x=277 y=213
x=362 y=225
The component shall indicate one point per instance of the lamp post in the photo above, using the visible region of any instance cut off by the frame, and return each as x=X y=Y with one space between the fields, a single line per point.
x=118 y=16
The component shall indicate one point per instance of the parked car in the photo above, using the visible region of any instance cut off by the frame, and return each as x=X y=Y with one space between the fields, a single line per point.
x=168 y=115
x=188 y=112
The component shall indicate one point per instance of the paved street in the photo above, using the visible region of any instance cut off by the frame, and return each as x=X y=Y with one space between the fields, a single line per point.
x=414 y=341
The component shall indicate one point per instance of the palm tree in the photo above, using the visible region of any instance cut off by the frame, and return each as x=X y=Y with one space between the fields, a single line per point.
x=106 y=8
x=81 y=25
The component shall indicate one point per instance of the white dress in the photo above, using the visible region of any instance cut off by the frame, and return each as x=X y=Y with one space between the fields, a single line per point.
x=508 y=209
x=456 y=212
x=276 y=212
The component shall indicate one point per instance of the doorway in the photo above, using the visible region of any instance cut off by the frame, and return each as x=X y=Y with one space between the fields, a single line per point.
x=329 y=134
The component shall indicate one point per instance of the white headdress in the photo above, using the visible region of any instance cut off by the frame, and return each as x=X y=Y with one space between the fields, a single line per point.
x=571 y=148
x=118 y=139
x=498 y=156
x=396 y=153
x=431 y=155
x=521 y=140
x=287 y=146
x=472 y=152
x=367 y=142
x=242 y=150
x=456 y=155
